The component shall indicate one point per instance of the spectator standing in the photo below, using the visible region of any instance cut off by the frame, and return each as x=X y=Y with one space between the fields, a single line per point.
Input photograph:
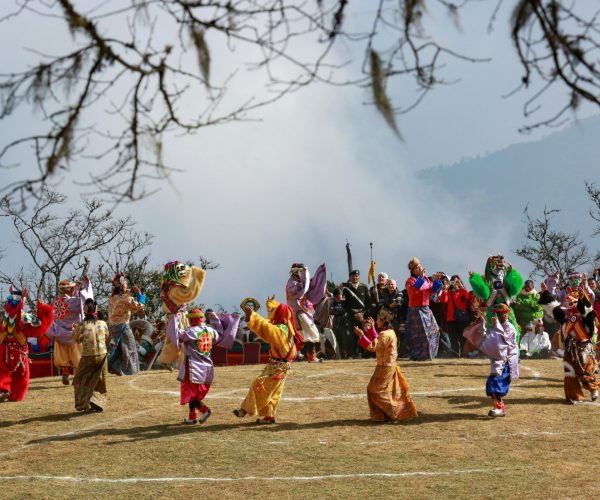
x=423 y=331
x=456 y=298
x=357 y=301
x=377 y=292
x=341 y=329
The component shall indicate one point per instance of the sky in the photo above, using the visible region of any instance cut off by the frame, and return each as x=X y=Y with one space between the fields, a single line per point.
x=320 y=168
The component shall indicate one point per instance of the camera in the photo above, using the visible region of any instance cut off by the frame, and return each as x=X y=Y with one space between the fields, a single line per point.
x=498 y=285
x=452 y=282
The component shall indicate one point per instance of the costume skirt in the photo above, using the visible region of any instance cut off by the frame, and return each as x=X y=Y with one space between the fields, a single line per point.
x=266 y=390
x=123 y=356
x=89 y=382
x=388 y=395
x=581 y=369
x=191 y=391
x=498 y=385
x=423 y=333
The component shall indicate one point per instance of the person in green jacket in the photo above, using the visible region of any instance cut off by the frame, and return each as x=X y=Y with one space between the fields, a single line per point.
x=526 y=305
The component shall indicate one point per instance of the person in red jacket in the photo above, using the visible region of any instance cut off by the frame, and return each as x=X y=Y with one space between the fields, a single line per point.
x=423 y=332
x=457 y=316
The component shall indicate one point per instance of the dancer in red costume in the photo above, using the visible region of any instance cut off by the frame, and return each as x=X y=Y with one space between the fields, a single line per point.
x=16 y=326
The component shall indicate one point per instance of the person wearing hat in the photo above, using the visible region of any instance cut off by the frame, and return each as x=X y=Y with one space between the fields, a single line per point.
x=196 y=371
x=578 y=327
x=422 y=330
x=68 y=311
x=500 y=344
x=123 y=356
x=357 y=301
x=388 y=391
x=279 y=331
x=575 y=282
x=535 y=343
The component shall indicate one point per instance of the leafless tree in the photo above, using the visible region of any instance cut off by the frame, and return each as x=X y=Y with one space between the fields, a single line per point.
x=594 y=195
x=549 y=250
x=62 y=244
x=139 y=76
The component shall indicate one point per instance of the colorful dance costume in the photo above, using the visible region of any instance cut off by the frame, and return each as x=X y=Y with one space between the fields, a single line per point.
x=500 y=344
x=68 y=311
x=422 y=330
x=500 y=285
x=196 y=372
x=16 y=326
x=280 y=332
x=388 y=391
x=577 y=318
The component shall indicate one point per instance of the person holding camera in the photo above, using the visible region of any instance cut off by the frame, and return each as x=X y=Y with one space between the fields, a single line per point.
x=457 y=317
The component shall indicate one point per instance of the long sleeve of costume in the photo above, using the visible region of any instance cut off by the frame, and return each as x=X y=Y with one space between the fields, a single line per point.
x=366 y=340
x=295 y=289
x=317 y=286
x=480 y=287
x=513 y=282
x=272 y=334
x=84 y=290
x=45 y=316
x=173 y=330
x=226 y=325
x=510 y=333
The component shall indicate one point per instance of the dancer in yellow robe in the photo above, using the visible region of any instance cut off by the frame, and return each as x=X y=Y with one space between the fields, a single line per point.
x=279 y=331
x=388 y=390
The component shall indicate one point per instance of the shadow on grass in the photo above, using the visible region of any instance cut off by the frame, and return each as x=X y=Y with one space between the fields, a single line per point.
x=427 y=363
x=168 y=430
x=555 y=381
x=472 y=402
x=45 y=387
x=55 y=417
x=146 y=433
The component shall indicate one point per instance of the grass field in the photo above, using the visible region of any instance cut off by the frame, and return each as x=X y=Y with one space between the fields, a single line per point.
x=323 y=446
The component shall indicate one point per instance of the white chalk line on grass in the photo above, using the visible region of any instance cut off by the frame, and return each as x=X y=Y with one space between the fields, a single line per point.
x=330 y=397
x=235 y=394
x=364 y=475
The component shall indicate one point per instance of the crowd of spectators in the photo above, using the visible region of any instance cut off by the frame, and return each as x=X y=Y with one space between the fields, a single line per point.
x=350 y=303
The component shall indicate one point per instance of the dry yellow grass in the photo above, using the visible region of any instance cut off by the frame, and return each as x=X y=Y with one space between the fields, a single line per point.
x=323 y=446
